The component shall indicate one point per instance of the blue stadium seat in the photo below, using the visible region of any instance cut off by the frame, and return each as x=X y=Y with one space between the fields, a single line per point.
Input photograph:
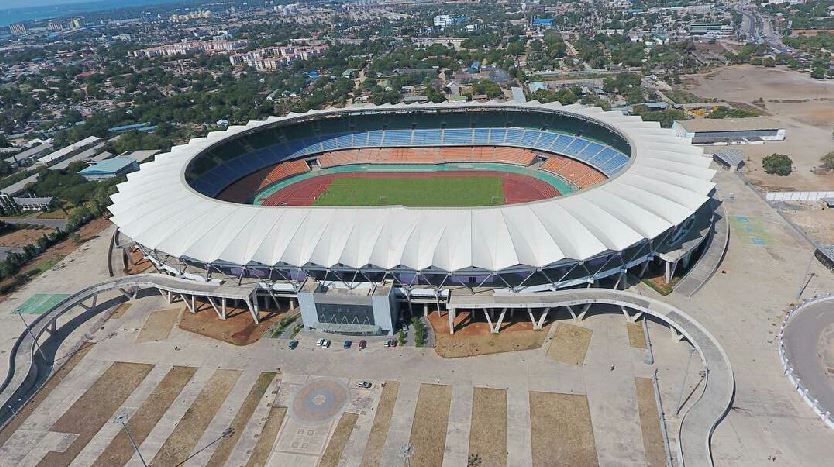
x=457 y=136
x=497 y=136
x=562 y=143
x=514 y=137
x=426 y=137
x=375 y=138
x=614 y=165
x=590 y=151
x=481 y=136
x=575 y=147
x=546 y=141
x=397 y=138
x=530 y=137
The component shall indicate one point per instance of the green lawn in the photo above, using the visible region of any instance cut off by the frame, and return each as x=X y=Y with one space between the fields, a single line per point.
x=424 y=191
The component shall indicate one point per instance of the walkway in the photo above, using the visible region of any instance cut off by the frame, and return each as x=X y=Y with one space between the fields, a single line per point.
x=710 y=259
x=704 y=415
x=23 y=367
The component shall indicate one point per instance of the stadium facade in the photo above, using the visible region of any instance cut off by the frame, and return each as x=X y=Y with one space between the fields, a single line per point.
x=351 y=267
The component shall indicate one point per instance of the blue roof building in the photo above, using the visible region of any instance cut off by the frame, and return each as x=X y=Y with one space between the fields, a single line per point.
x=110 y=168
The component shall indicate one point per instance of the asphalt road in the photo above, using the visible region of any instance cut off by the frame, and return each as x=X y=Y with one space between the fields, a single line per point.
x=57 y=223
x=806 y=340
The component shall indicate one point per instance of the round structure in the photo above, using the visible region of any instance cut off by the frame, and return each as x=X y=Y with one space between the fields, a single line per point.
x=628 y=189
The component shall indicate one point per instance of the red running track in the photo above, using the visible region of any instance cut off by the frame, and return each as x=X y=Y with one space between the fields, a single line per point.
x=517 y=188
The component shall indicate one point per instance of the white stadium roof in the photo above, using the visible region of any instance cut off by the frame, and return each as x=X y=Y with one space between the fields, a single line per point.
x=667 y=180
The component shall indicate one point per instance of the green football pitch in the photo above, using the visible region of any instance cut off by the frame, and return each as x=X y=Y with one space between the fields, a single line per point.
x=414 y=191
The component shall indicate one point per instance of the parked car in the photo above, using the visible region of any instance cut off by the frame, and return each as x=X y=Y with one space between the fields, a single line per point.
x=393 y=342
x=388 y=343
x=365 y=384
x=293 y=345
x=347 y=344
x=362 y=344
x=320 y=342
x=326 y=343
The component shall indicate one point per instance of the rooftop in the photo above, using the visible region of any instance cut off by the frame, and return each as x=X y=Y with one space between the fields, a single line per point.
x=729 y=124
x=113 y=165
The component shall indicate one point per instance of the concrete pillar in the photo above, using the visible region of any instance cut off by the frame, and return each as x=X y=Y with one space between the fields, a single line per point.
x=292 y=304
x=451 y=320
x=543 y=317
x=487 y=314
x=500 y=319
x=223 y=308
x=425 y=310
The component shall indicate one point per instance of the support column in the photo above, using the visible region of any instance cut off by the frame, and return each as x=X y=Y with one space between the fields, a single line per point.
x=213 y=305
x=292 y=304
x=487 y=314
x=532 y=318
x=223 y=308
x=188 y=305
x=425 y=310
x=451 y=320
x=543 y=317
x=498 y=323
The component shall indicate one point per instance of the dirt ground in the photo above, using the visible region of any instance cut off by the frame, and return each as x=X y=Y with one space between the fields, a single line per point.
x=137 y=263
x=238 y=328
x=432 y=412
x=53 y=382
x=260 y=455
x=120 y=451
x=191 y=426
x=650 y=423
x=338 y=440
x=561 y=431
x=95 y=408
x=804 y=106
x=158 y=325
x=569 y=344
x=636 y=337
x=382 y=421
x=22 y=237
x=488 y=427
x=244 y=413
x=474 y=338
x=816 y=221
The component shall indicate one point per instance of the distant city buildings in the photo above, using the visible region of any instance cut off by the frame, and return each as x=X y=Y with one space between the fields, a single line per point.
x=192 y=47
x=273 y=58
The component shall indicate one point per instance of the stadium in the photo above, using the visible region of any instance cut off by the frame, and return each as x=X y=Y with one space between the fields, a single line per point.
x=360 y=211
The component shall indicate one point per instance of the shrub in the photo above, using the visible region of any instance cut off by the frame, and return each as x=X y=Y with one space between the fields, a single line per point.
x=828 y=161
x=777 y=164
x=419 y=332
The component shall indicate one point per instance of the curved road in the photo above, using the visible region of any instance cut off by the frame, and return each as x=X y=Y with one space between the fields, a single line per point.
x=808 y=335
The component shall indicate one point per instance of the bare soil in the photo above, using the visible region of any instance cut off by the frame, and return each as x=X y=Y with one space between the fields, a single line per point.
x=95 y=408
x=636 y=337
x=22 y=237
x=474 y=338
x=181 y=443
x=227 y=444
x=561 y=430
x=488 y=427
x=338 y=440
x=650 y=423
x=260 y=455
x=382 y=421
x=120 y=450
x=428 y=431
x=238 y=328
x=158 y=325
x=569 y=344
x=802 y=105
x=53 y=382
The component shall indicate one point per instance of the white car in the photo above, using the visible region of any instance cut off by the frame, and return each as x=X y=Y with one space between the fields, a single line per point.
x=320 y=342
x=326 y=343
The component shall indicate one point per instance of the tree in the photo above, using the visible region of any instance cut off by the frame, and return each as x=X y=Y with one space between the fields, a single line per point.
x=777 y=164
x=828 y=161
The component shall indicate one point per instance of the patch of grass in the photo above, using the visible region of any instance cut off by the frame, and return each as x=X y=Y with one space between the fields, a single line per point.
x=282 y=324
x=404 y=191
x=658 y=286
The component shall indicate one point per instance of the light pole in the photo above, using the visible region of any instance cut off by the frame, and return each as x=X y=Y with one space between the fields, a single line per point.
x=122 y=419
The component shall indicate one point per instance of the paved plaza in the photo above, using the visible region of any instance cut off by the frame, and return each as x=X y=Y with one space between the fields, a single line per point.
x=317 y=387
